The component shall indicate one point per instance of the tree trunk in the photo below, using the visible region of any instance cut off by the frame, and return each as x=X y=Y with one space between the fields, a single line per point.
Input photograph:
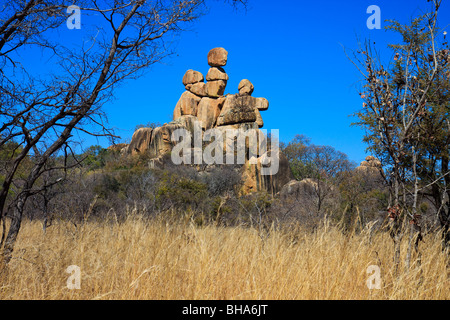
x=396 y=231
x=445 y=212
x=397 y=239
x=16 y=221
x=414 y=228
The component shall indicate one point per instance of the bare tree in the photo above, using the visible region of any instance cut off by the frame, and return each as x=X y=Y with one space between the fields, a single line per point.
x=42 y=114
x=329 y=165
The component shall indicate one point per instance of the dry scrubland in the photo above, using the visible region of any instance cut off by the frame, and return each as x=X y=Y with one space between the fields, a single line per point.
x=142 y=259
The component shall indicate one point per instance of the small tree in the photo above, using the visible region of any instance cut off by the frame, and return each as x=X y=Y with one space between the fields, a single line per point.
x=324 y=165
x=405 y=117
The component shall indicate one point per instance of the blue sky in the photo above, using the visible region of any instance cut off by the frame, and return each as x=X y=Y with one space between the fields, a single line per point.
x=290 y=50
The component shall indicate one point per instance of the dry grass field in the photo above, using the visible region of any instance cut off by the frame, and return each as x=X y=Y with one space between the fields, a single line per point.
x=141 y=259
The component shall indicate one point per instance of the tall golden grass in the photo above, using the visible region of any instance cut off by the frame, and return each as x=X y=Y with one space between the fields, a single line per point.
x=148 y=259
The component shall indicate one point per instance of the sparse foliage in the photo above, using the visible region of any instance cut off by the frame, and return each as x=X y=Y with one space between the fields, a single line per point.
x=405 y=116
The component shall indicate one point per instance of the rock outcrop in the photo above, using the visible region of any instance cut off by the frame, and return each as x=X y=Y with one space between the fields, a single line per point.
x=237 y=109
x=204 y=106
x=217 y=57
x=140 y=141
x=191 y=77
x=273 y=184
x=216 y=73
x=370 y=165
x=245 y=87
x=306 y=188
x=209 y=110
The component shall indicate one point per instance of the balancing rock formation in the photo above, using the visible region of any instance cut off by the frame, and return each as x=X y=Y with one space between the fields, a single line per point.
x=205 y=100
x=204 y=104
x=371 y=165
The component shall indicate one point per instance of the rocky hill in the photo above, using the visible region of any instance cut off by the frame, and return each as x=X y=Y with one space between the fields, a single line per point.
x=202 y=108
x=371 y=165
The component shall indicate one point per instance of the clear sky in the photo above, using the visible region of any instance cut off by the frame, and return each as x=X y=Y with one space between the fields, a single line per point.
x=291 y=50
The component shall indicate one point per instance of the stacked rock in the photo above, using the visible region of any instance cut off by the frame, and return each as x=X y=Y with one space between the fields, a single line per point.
x=242 y=107
x=216 y=76
x=207 y=93
x=207 y=102
x=204 y=105
x=371 y=164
